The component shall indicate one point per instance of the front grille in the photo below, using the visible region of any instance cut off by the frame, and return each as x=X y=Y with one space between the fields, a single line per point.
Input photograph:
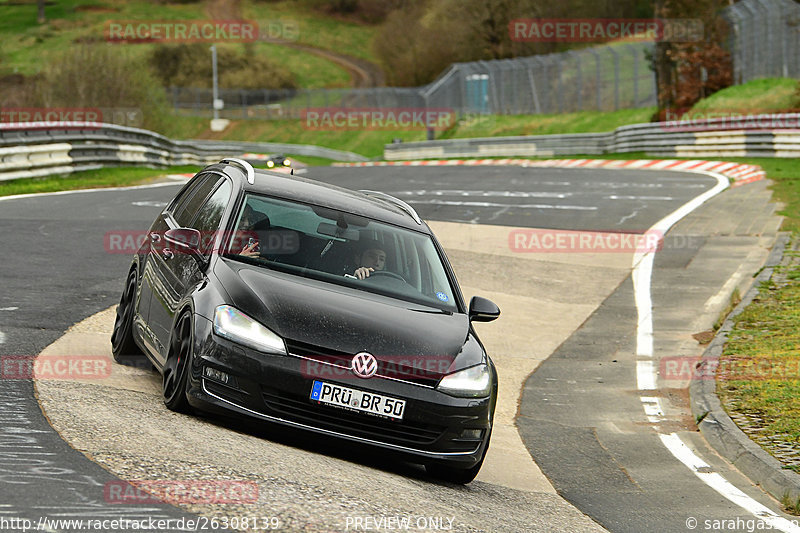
x=318 y=353
x=361 y=425
x=391 y=367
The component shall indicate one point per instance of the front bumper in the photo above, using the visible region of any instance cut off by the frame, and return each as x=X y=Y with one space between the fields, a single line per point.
x=277 y=388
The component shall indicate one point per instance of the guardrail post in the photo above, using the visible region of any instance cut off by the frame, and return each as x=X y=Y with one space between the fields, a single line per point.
x=616 y=78
x=579 y=80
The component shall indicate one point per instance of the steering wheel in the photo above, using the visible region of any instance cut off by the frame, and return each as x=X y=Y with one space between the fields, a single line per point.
x=387 y=273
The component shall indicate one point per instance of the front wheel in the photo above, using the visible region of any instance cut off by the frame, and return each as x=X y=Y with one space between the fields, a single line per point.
x=123 y=347
x=176 y=370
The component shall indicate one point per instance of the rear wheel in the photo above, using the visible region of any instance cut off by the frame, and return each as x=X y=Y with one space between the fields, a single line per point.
x=176 y=370
x=123 y=347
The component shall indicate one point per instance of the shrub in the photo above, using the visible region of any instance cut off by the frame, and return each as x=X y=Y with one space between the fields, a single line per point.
x=102 y=76
x=189 y=65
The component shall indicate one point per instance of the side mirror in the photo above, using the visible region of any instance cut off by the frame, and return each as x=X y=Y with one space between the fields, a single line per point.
x=187 y=239
x=483 y=310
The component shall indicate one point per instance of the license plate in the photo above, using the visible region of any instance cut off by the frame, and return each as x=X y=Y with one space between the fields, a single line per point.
x=366 y=402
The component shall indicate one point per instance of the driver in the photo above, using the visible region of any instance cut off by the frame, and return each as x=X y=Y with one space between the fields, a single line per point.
x=251 y=218
x=370 y=257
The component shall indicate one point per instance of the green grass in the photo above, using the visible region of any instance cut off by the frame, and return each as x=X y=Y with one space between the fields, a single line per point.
x=580 y=122
x=767 y=95
x=315 y=28
x=765 y=340
x=763 y=362
x=25 y=46
x=106 y=177
x=116 y=177
x=310 y=71
x=367 y=143
x=371 y=143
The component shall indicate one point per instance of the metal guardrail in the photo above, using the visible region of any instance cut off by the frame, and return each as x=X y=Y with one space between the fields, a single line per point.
x=32 y=150
x=753 y=136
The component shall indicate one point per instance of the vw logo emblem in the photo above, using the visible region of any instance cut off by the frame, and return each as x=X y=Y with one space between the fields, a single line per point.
x=364 y=365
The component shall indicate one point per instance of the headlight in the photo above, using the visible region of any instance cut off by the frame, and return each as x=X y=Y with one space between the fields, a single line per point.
x=287 y=163
x=472 y=382
x=270 y=163
x=232 y=324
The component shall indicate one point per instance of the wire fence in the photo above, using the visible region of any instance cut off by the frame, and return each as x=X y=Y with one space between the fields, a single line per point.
x=602 y=78
x=764 y=39
x=764 y=42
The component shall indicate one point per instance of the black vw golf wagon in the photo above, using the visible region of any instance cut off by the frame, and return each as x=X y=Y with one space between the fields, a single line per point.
x=299 y=303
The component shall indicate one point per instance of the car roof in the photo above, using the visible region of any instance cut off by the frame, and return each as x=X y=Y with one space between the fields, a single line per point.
x=292 y=187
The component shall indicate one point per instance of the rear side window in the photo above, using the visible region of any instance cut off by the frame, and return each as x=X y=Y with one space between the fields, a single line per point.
x=210 y=214
x=186 y=193
x=187 y=208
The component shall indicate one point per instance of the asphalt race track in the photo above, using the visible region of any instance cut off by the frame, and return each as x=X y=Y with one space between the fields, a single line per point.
x=594 y=443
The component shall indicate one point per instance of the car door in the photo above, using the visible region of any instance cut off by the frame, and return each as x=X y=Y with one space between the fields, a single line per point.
x=173 y=271
x=155 y=244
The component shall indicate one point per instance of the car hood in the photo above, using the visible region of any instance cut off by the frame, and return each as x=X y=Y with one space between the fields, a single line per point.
x=329 y=322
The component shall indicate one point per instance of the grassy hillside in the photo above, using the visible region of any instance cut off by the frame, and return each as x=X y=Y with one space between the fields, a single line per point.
x=760 y=96
x=26 y=46
x=315 y=28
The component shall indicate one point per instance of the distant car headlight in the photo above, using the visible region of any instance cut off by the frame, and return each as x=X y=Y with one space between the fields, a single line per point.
x=270 y=163
x=472 y=382
x=287 y=163
x=232 y=324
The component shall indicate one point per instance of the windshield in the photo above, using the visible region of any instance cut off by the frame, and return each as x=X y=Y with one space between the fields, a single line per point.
x=341 y=248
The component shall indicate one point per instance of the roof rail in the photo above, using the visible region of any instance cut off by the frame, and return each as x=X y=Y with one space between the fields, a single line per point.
x=396 y=201
x=244 y=165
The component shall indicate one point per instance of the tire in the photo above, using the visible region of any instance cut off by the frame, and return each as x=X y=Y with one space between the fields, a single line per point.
x=176 y=369
x=123 y=347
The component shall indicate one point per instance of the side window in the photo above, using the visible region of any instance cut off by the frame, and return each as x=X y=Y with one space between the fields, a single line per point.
x=186 y=193
x=186 y=209
x=210 y=214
